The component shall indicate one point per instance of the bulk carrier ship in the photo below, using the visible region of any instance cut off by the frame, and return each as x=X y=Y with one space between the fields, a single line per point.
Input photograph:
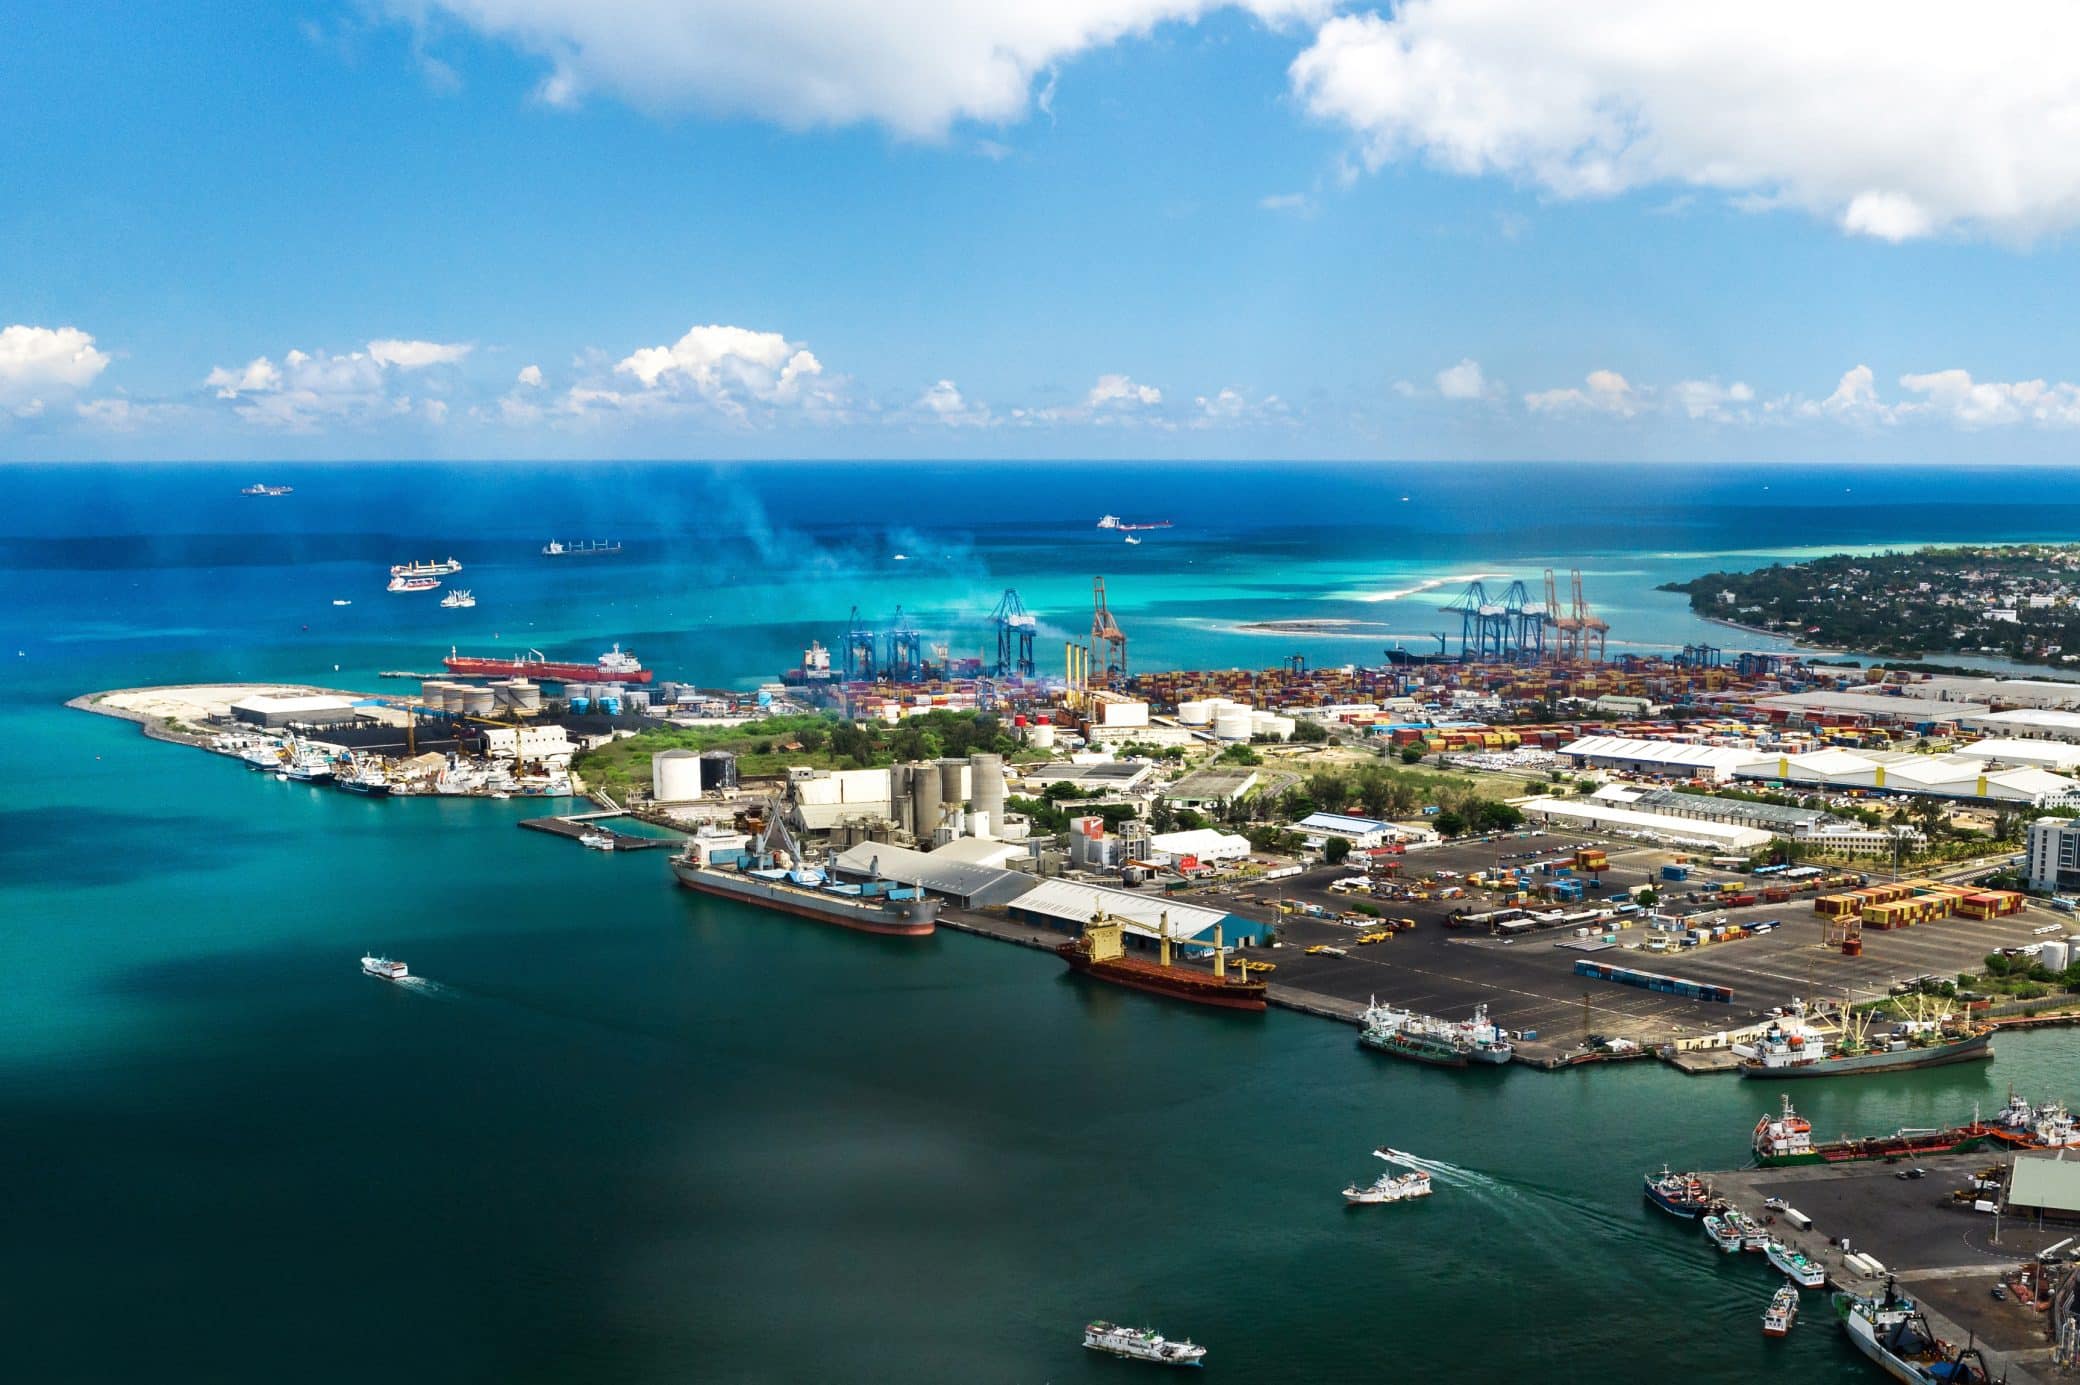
x=614 y=666
x=1101 y=952
x=773 y=876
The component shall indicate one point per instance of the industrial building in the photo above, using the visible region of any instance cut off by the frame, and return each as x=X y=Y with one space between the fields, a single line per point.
x=546 y=745
x=931 y=800
x=2053 y=854
x=1204 y=844
x=1884 y=708
x=2008 y=692
x=314 y=709
x=1626 y=821
x=2044 y=1184
x=1770 y=817
x=2044 y=723
x=1680 y=759
x=1105 y=776
x=2008 y=750
x=1210 y=789
x=1068 y=906
x=680 y=776
x=1903 y=772
x=964 y=883
x=1362 y=833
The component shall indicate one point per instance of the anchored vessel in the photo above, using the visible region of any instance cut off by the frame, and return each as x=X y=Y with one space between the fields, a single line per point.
x=1141 y=1344
x=772 y=876
x=439 y=567
x=266 y=490
x=412 y=584
x=459 y=597
x=1389 y=1186
x=1678 y=1194
x=1781 y=1313
x=1805 y=1273
x=1890 y=1330
x=1102 y=953
x=385 y=968
x=614 y=666
x=582 y=548
x=1792 y=1048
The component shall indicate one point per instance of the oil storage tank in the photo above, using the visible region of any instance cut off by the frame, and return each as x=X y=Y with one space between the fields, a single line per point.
x=1232 y=723
x=718 y=770
x=675 y=776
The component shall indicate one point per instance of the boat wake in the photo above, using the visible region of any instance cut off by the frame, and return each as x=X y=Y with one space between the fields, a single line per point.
x=1428 y=584
x=433 y=989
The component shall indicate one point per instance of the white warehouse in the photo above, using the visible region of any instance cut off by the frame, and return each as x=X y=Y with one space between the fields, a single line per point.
x=1603 y=815
x=1635 y=756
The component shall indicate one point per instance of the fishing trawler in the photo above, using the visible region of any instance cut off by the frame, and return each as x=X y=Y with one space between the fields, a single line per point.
x=1891 y=1331
x=1781 y=1313
x=1389 y=1186
x=1723 y=1233
x=1678 y=1194
x=1141 y=1344
x=1796 y=1265
x=1792 y=1047
x=458 y=599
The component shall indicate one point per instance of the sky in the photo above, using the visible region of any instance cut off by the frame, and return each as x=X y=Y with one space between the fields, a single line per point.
x=1040 y=229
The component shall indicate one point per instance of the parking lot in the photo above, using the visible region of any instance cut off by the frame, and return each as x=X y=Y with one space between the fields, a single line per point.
x=1529 y=982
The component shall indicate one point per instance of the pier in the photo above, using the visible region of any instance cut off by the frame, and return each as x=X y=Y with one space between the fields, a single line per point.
x=1943 y=1255
x=576 y=825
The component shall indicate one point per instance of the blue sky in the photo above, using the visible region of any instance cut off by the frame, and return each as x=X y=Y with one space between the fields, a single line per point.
x=1139 y=228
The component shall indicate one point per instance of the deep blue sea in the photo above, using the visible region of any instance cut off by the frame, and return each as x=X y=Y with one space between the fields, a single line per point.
x=624 y=1134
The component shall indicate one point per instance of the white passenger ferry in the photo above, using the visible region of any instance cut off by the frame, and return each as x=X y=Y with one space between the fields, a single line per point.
x=1141 y=1344
x=385 y=968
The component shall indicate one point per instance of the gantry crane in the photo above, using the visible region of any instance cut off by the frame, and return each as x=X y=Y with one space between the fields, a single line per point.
x=1106 y=636
x=1015 y=628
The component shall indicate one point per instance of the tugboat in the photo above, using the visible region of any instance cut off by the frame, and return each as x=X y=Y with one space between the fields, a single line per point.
x=1389 y=1186
x=386 y=969
x=1781 y=1313
x=1678 y=1194
x=1805 y=1273
x=1891 y=1331
x=1141 y=1344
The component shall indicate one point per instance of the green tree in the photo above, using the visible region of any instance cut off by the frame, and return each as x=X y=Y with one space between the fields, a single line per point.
x=1449 y=823
x=1238 y=755
x=1412 y=754
x=1336 y=850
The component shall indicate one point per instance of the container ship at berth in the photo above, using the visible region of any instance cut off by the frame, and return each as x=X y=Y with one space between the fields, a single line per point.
x=1101 y=953
x=614 y=666
x=772 y=875
x=1792 y=1048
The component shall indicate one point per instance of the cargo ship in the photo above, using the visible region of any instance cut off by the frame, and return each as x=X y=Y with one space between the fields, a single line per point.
x=1427 y=1039
x=1101 y=952
x=1891 y=1331
x=259 y=489
x=439 y=567
x=1787 y=1138
x=772 y=875
x=1792 y=1048
x=614 y=666
x=402 y=583
x=584 y=548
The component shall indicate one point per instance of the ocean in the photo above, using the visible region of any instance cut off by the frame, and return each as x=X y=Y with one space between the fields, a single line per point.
x=620 y=1132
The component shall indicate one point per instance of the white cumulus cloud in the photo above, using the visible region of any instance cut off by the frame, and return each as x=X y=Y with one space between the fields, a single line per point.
x=733 y=370
x=1710 y=400
x=916 y=66
x=1890 y=118
x=944 y=403
x=1119 y=391
x=39 y=361
x=1607 y=392
x=417 y=355
x=530 y=376
x=1465 y=380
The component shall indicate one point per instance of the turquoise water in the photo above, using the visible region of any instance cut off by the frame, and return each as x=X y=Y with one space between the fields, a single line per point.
x=620 y=1132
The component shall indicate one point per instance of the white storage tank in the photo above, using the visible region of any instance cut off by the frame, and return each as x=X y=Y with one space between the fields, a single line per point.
x=1195 y=713
x=675 y=775
x=1232 y=724
x=1270 y=724
x=527 y=696
x=2057 y=954
x=1040 y=735
x=479 y=702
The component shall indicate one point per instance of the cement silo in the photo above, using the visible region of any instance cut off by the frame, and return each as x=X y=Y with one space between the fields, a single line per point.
x=675 y=776
x=986 y=778
x=902 y=785
x=926 y=801
x=953 y=782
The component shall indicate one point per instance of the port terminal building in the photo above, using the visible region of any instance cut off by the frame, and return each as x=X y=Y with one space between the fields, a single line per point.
x=1067 y=905
x=968 y=884
x=1626 y=820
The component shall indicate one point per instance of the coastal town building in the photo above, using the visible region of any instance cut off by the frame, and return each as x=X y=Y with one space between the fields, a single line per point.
x=2053 y=854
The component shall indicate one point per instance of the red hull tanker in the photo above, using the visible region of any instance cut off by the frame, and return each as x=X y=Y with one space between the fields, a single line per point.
x=611 y=667
x=1101 y=953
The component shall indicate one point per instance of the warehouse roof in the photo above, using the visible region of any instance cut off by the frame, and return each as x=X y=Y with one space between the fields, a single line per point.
x=267 y=704
x=2055 y=754
x=1719 y=757
x=2050 y=1181
x=1201 y=841
x=1074 y=904
x=1592 y=812
x=2043 y=719
x=1872 y=704
x=963 y=880
x=1213 y=783
x=1103 y=774
x=1341 y=822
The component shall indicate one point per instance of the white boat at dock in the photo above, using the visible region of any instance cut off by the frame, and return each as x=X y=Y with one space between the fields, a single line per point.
x=1807 y=1274
x=386 y=969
